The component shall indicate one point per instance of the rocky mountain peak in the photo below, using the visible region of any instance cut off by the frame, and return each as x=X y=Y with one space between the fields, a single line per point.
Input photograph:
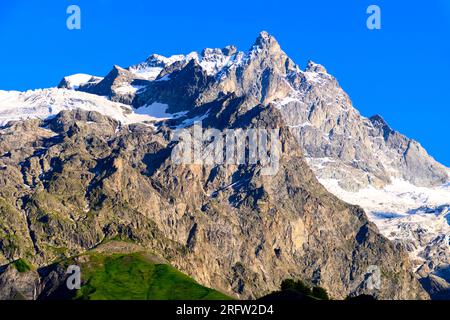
x=233 y=224
x=118 y=70
x=267 y=62
x=265 y=40
x=312 y=102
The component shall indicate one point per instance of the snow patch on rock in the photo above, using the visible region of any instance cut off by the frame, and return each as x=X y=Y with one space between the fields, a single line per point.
x=76 y=80
x=46 y=103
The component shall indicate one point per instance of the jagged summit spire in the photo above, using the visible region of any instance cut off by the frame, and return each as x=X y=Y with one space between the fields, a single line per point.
x=265 y=35
x=266 y=40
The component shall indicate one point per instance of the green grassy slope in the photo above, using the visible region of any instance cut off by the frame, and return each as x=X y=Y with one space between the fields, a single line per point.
x=135 y=277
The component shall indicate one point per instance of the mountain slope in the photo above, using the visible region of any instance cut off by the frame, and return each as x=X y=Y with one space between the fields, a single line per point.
x=79 y=177
x=113 y=271
x=88 y=182
x=361 y=160
x=132 y=277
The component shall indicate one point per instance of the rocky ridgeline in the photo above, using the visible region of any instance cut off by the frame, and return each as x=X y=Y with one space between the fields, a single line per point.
x=340 y=143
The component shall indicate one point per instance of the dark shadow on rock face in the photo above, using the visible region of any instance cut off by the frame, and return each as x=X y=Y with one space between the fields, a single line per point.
x=153 y=161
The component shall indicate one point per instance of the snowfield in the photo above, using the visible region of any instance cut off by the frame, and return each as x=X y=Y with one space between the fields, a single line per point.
x=418 y=217
x=398 y=198
x=46 y=103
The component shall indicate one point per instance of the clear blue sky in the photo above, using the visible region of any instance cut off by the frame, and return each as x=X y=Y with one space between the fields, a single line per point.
x=401 y=71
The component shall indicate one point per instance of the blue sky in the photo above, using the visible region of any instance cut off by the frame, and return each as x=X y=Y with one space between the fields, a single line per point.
x=400 y=72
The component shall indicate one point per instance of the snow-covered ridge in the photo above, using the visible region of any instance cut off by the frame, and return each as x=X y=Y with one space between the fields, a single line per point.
x=152 y=67
x=211 y=60
x=46 y=103
x=215 y=62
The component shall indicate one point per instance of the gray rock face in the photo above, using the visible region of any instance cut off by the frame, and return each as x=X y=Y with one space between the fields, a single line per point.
x=343 y=145
x=438 y=287
x=15 y=285
x=229 y=227
x=120 y=85
x=339 y=142
x=180 y=91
